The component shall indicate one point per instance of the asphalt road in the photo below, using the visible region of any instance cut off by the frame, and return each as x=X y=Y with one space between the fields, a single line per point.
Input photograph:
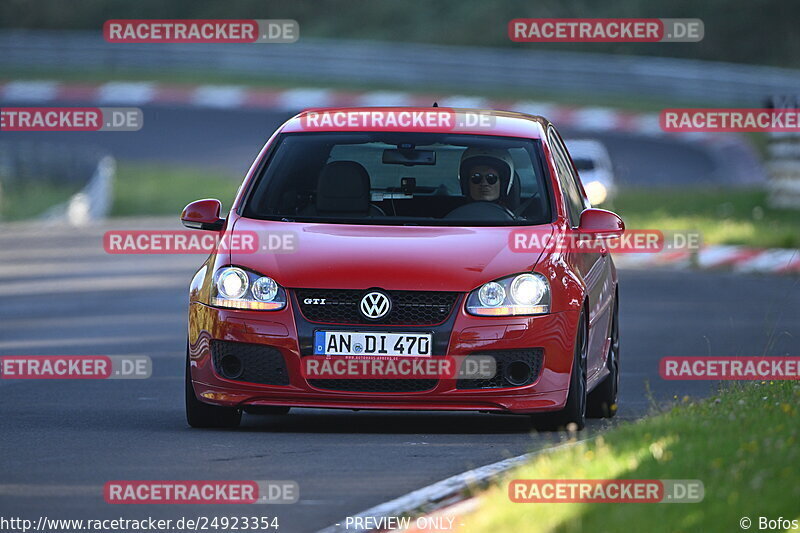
x=62 y=440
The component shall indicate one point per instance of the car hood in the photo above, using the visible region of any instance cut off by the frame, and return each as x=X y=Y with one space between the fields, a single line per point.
x=390 y=257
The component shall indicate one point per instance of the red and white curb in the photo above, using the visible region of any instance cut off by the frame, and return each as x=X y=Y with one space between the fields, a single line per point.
x=443 y=493
x=296 y=99
x=719 y=257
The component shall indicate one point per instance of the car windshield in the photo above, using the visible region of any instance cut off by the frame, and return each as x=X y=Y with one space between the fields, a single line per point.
x=402 y=179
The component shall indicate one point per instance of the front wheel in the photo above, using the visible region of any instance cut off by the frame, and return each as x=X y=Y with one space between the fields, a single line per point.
x=203 y=415
x=574 y=412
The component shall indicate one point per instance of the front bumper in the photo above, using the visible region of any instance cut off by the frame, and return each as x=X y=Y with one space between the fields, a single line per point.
x=462 y=334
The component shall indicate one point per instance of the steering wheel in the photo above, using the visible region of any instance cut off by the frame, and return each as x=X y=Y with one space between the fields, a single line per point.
x=482 y=210
x=535 y=197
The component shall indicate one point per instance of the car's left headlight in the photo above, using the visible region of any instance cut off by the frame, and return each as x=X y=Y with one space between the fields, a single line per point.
x=240 y=289
x=523 y=294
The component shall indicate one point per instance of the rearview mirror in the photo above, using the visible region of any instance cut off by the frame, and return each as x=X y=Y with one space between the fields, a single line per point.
x=203 y=214
x=601 y=223
x=408 y=157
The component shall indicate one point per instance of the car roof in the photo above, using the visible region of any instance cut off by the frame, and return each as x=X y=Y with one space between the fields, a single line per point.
x=502 y=123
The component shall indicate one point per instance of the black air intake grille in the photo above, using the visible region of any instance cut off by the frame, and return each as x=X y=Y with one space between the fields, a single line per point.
x=259 y=363
x=533 y=357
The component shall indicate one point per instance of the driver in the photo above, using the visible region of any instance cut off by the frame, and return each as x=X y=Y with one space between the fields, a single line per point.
x=486 y=174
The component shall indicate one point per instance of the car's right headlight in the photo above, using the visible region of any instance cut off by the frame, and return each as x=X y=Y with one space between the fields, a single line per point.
x=239 y=289
x=523 y=294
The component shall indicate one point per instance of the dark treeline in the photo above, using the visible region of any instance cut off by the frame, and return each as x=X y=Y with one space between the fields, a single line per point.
x=746 y=31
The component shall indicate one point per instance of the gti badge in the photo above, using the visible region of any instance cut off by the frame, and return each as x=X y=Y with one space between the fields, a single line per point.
x=375 y=305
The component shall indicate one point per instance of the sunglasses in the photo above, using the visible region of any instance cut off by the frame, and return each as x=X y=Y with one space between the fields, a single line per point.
x=477 y=177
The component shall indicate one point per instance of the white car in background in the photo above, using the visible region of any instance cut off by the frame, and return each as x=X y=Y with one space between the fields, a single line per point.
x=594 y=166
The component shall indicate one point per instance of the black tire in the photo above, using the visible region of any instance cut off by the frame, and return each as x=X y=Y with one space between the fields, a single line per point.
x=203 y=415
x=574 y=412
x=602 y=401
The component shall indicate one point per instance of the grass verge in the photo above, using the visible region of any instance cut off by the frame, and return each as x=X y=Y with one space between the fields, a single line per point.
x=155 y=189
x=742 y=444
x=31 y=199
x=724 y=216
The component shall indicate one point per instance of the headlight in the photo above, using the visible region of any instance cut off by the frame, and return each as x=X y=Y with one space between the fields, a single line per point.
x=492 y=294
x=238 y=289
x=523 y=294
x=232 y=283
x=265 y=289
x=527 y=289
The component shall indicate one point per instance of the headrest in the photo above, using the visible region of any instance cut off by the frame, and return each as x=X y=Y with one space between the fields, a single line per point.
x=343 y=187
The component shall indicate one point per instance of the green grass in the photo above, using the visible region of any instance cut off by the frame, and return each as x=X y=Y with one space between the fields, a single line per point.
x=724 y=216
x=742 y=444
x=31 y=199
x=142 y=189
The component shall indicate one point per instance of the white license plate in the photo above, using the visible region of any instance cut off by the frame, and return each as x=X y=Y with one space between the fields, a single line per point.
x=372 y=343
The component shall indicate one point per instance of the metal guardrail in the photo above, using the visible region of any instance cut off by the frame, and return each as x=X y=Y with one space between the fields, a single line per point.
x=92 y=202
x=408 y=66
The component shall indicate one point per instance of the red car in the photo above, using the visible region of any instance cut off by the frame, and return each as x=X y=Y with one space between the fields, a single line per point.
x=406 y=234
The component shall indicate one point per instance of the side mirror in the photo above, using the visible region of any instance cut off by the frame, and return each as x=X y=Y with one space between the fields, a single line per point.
x=203 y=214
x=601 y=223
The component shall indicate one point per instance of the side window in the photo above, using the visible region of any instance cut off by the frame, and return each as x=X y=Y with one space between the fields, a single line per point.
x=566 y=179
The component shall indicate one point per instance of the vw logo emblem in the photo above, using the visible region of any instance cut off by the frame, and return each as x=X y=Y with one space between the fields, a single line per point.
x=375 y=305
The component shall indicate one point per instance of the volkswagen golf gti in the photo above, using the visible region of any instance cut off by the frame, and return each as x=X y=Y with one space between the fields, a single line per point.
x=399 y=234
